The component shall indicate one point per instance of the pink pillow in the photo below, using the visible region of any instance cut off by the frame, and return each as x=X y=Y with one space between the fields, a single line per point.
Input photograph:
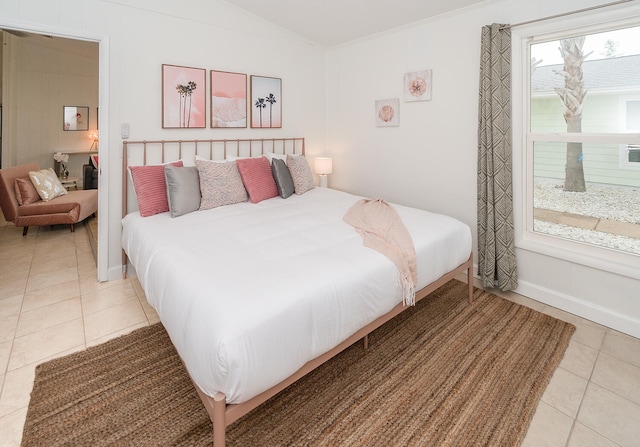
x=26 y=193
x=151 y=188
x=257 y=178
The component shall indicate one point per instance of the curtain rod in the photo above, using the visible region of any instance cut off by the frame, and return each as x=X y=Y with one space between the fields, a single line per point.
x=591 y=8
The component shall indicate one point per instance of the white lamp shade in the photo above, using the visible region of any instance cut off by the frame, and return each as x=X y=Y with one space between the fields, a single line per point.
x=323 y=165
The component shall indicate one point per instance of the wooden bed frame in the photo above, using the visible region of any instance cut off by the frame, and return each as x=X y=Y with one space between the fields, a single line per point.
x=221 y=413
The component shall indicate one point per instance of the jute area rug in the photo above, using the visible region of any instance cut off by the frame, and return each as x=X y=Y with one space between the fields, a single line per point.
x=445 y=373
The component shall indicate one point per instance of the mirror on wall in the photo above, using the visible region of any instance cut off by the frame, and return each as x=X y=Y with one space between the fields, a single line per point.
x=75 y=118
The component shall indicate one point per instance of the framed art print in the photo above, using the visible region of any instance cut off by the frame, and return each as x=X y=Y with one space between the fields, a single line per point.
x=266 y=102
x=75 y=118
x=387 y=112
x=228 y=99
x=183 y=97
x=417 y=86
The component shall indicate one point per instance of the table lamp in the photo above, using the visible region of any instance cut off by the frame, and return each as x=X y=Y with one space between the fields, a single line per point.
x=323 y=166
x=94 y=136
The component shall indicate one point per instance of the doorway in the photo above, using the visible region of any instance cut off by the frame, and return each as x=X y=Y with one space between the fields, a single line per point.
x=88 y=55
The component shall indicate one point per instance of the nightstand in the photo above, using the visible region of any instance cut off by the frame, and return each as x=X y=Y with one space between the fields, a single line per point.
x=69 y=182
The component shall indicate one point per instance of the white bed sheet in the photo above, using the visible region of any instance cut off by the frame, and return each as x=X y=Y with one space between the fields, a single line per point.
x=251 y=292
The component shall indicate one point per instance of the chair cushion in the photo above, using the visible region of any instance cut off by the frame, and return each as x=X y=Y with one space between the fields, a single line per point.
x=26 y=193
x=70 y=208
x=47 y=184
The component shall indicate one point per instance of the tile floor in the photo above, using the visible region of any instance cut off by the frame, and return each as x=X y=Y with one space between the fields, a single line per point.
x=52 y=305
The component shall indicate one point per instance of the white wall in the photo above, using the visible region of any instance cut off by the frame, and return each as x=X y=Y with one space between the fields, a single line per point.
x=43 y=75
x=138 y=36
x=429 y=161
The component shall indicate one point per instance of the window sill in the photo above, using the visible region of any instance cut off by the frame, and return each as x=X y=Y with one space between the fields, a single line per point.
x=625 y=264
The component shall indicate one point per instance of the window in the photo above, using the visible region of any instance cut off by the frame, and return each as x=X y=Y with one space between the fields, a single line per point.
x=581 y=131
x=629 y=154
x=631 y=115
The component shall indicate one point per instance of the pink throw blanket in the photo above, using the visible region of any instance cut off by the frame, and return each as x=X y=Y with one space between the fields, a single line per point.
x=382 y=229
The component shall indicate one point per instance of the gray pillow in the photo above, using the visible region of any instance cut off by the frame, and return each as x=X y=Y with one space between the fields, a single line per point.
x=282 y=176
x=183 y=189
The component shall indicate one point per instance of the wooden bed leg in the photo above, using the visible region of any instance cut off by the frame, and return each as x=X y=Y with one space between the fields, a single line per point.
x=470 y=282
x=365 y=341
x=124 y=265
x=219 y=423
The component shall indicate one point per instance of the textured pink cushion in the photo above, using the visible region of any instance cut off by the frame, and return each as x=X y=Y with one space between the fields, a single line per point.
x=151 y=188
x=257 y=178
x=300 y=173
x=26 y=193
x=220 y=184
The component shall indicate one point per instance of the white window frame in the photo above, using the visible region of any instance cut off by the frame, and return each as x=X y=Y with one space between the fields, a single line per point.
x=525 y=238
x=623 y=151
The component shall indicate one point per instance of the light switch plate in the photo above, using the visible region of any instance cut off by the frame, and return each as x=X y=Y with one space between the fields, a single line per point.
x=124 y=130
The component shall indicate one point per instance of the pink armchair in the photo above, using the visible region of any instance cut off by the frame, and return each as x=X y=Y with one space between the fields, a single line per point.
x=71 y=208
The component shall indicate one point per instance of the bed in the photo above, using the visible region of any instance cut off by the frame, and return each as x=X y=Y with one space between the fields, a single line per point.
x=256 y=295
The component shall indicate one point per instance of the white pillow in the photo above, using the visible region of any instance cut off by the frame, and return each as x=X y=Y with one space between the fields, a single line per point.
x=199 y=158
x=47 y=184
x=271 y=156
x=235 y=158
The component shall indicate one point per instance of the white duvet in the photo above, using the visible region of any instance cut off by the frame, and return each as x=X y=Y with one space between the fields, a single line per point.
x=250 y=292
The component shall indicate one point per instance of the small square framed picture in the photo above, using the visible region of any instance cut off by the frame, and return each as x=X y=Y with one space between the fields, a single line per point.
x=387 y=112
x=417 y=86
x=75 y=118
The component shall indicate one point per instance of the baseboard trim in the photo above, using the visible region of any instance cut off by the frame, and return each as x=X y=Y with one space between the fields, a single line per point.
x=581 y=308
x=114 y=273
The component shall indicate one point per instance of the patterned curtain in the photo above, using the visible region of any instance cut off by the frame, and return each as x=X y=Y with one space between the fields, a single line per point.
x=496 y=247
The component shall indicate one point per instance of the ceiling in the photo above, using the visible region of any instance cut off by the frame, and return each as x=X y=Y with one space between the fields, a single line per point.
x=332 y=22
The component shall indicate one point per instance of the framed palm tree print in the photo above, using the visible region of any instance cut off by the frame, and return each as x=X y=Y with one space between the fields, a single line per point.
x=266 y=102
x=183 y=97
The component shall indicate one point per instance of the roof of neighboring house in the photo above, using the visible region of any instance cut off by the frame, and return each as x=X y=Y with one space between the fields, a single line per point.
x=621 y=72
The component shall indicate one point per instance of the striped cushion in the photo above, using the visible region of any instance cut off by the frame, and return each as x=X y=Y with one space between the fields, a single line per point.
x=257 y=178
x=151 y=188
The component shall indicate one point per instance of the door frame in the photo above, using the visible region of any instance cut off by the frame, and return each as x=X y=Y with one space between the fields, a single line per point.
x=103 y=104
